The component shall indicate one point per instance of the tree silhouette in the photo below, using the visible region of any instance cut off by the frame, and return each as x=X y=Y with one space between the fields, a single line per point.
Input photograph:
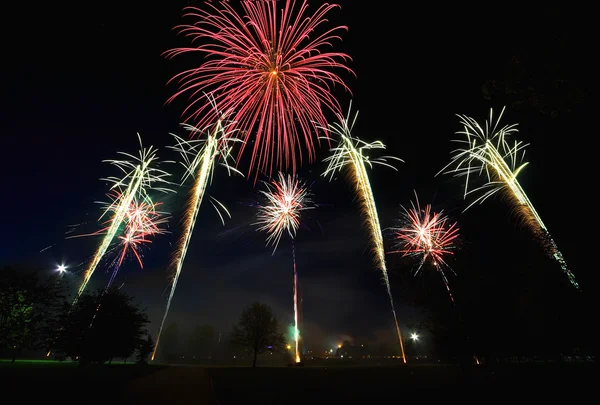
x=102 y=326
x=29 y=309
x=256 y=330
x=145 y=348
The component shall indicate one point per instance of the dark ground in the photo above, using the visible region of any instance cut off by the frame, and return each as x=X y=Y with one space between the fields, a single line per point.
x=131 y=384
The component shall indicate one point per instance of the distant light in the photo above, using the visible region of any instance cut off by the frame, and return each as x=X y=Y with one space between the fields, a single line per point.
x=339 y=346
x=414 y=336
x=289 y=347
x=61 y=268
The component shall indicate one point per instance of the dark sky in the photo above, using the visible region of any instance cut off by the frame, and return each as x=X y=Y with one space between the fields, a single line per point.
x=81 y=82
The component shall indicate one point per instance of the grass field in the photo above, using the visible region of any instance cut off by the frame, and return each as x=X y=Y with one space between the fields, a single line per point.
x=155 y=384
x=27 y=381
x=394 y=384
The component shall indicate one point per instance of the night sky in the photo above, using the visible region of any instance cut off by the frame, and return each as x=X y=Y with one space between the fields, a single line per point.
x=81 y=83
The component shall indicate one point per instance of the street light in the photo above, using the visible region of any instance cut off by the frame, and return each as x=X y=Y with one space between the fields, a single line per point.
x=414 y=337
x=61 y=268
x=289 y=347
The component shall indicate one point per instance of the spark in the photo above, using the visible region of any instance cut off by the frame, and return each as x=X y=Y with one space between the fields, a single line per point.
x=351 y=152
x=428 y=235
x=140 y=176
x=199 y=159
x=488 y=150
x=143 y=221
x=286 y=198
x=270 y=67
x=46 y=248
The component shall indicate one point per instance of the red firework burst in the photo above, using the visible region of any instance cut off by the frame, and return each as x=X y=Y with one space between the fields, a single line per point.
x=142 y=221
x=426 y=234
x=267 y=68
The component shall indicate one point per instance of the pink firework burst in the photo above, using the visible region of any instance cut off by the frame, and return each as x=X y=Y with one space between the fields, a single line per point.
x=286 y=198
x=143 y=221
x=428 y=235
x=269 y=68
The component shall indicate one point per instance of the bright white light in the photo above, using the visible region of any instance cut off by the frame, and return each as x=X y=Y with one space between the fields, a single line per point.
x=414 y=336
x=61 y=268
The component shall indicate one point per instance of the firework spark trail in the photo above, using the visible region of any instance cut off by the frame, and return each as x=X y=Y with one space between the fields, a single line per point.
x=143 y=221
x=270 y=67
x=488 y=150
x=140 y=176
x=443 y=274
x=428 y=235
x=286 y=198
x=296 y=327
x=204 y=155
x=351 y=152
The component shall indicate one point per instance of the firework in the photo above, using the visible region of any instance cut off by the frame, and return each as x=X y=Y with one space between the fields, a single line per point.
x=286 y=198
x=140 y=176
x=428 y=235
x=143 y=221
x=199 y=159
x=488 y=150
x=269 y=67
x=351 y=152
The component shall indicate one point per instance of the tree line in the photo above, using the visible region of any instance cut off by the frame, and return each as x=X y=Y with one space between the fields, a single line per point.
x=256 y=332
x=37 y=317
